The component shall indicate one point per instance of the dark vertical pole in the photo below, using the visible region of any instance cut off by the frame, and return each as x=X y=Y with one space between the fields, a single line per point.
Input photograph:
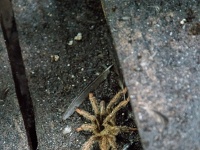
x=10 y=33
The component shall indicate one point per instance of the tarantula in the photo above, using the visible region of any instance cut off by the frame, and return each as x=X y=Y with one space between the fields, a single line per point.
x=103 y=124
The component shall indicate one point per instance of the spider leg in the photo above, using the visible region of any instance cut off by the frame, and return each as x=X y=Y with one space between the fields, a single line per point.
x=113 y=120
x=112 y=142
x=126 y=129
x=115 y=99
x=88 y=144
x=115 y=110
x=94 y=104
x=87 y=127
x=103 y=144
x=102 y=110
x=86 y=114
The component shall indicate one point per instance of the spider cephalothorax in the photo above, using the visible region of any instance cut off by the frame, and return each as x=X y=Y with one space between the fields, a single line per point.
x=103 y=125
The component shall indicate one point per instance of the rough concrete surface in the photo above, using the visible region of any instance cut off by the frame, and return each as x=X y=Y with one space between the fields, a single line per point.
x=57 y=71
x=158 y=45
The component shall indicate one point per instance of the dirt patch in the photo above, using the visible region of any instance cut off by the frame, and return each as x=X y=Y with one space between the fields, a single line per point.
x=58 y=69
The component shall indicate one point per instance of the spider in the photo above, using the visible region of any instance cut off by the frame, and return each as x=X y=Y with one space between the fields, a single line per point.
x=103 y=122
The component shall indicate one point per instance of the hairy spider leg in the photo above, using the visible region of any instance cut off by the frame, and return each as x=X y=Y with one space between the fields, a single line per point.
x=102 y=111
x=104 y=145
x=85 y=114
x=87 y=145
x=94 y=104
x=88 y=116
x=115 y=99
x=87 y=127
x=112 y=142
x=126 y=129
x=117 y=108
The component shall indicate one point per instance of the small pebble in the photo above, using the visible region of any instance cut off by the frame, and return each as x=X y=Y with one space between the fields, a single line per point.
x=67 y=130
x=70 y=42
x=78 y=37
x=54 y=58
x=182 y=21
